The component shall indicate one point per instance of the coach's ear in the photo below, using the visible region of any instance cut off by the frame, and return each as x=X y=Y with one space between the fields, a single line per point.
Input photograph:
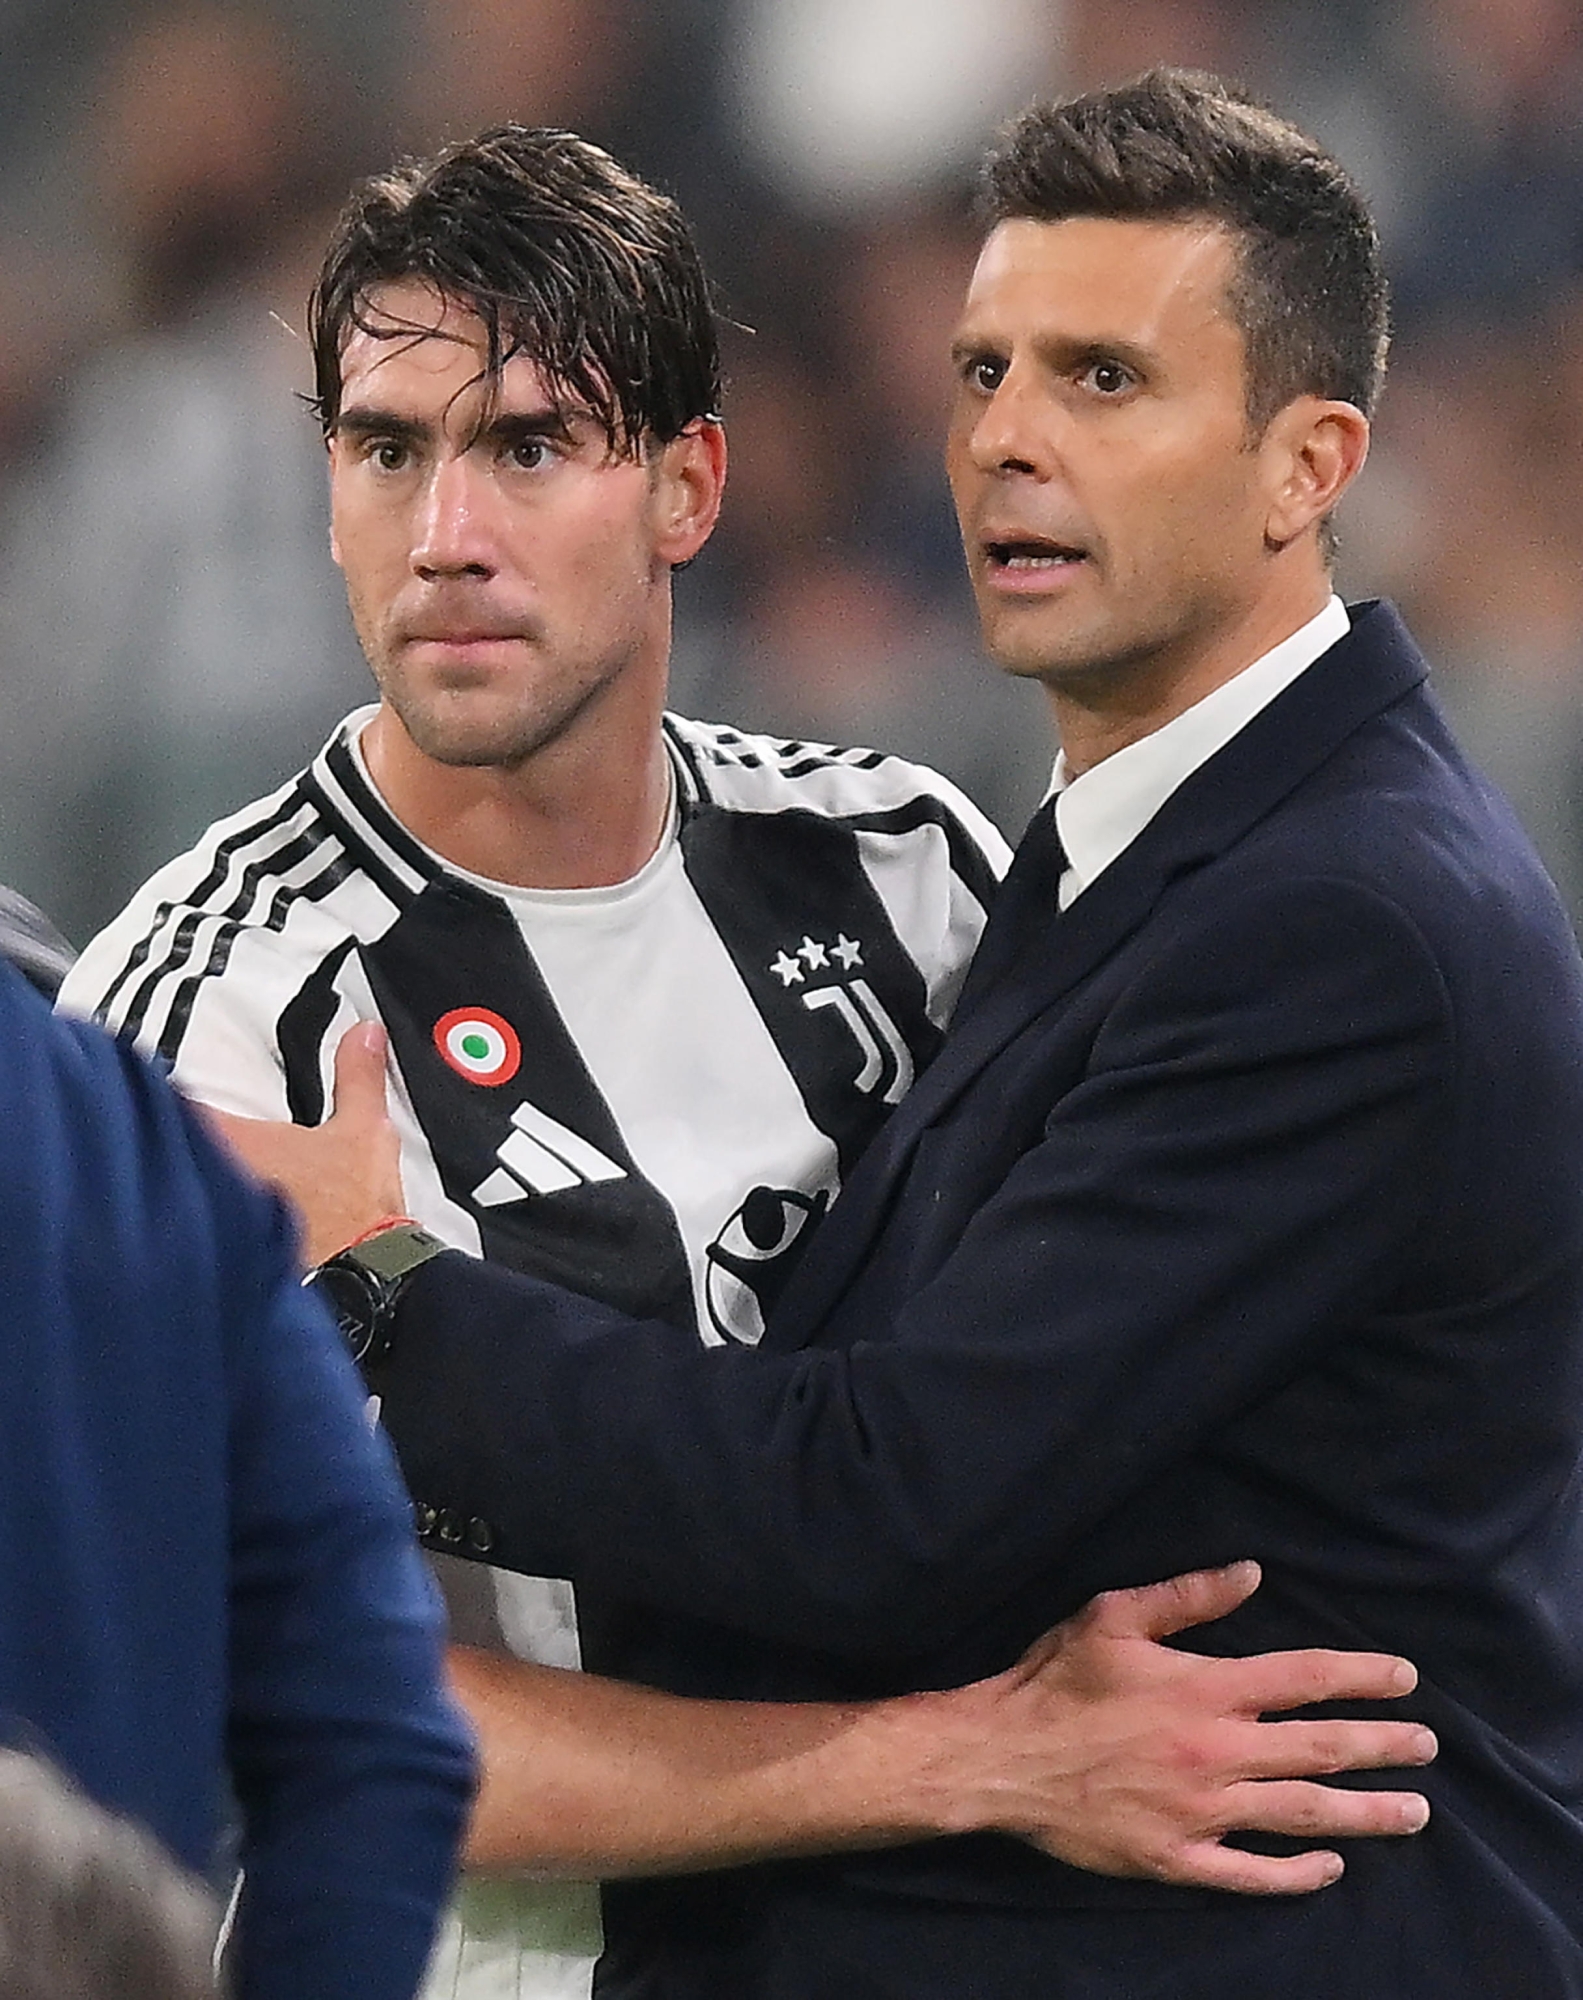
x=1313 y=450
x=689 y=476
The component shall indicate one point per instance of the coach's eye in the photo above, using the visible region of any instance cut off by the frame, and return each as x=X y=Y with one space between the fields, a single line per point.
x=1108 y=377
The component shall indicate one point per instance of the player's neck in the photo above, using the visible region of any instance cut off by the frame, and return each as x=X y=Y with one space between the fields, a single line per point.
x=584 y=812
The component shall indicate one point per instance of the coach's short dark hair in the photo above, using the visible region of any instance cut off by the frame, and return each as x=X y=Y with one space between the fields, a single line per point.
x=1309 y=292
x=562 y=254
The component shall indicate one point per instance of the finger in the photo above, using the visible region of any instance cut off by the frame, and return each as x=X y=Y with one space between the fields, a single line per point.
x=1319 y=1749
x=1155 y=1610
x=1271 y=1681
x=360 y=1075
x=1323 y=1812
x=1208 y=1865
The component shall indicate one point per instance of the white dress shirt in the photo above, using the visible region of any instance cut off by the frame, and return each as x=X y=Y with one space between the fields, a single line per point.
x=1101 y=813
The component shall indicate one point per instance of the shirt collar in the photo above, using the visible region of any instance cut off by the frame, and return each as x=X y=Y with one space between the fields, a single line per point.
x=1101 y=813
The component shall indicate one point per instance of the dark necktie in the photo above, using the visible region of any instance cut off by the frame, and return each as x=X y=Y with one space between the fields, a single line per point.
x=1026 y=901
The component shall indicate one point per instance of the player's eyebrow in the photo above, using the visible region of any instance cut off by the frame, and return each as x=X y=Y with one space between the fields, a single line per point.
x=509 y=427
x=367 y=422
x=504 y=428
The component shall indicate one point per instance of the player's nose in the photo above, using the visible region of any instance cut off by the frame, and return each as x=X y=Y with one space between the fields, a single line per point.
x=452 y=530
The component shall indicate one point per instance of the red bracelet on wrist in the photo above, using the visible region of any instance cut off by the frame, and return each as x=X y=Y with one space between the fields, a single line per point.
x=378 y=1228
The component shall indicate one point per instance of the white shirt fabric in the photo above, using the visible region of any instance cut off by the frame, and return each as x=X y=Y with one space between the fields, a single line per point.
x=1099 y=814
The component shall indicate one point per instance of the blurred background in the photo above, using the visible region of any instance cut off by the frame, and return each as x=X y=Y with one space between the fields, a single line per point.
x=173 y=639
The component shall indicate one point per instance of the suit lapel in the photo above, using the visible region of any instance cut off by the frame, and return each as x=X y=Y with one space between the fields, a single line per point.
x=1285 y=743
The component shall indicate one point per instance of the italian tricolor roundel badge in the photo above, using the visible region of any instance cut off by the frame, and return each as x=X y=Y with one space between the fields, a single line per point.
x=478 y=1044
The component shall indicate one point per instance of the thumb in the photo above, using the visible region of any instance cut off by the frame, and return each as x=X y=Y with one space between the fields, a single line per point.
x=360 y=1076
x=1155 y=1610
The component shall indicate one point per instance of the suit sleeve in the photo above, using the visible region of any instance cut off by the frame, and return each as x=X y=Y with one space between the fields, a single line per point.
x=1235 y=1177
x=350 y=1767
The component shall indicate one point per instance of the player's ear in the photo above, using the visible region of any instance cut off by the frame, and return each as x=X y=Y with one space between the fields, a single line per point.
x=689 y=477
x=1316 y=448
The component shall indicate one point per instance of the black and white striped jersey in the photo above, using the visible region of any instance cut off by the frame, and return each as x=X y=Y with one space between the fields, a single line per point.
x=649 y=1092
x=646 y=1092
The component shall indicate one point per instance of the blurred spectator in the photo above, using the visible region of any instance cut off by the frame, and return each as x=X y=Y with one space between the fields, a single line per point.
x=173 y=637
x=1106 y=44
x=475 y=63
x=1496 y=218
x=848 y=103
x=838 y=550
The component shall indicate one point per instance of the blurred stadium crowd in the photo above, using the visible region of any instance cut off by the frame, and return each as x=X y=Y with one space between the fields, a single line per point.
x=172 y=635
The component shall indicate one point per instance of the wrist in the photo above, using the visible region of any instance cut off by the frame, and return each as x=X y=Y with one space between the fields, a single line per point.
x=363 y=1284
x=375 y=1229
x=939 y=1765
x=983 y=1759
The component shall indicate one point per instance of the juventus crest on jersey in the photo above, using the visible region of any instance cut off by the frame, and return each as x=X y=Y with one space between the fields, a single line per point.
x=648 y=1092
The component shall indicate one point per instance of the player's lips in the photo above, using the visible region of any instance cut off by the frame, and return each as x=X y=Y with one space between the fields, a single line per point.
x=1016 y=562
x=459 y=635
x=469 y=646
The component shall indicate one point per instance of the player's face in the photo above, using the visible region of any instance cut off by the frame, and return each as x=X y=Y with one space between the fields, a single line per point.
x=506 y=571
x=1113 y=503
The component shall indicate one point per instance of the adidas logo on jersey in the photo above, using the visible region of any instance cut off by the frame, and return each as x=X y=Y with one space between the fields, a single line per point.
x=540 y=1156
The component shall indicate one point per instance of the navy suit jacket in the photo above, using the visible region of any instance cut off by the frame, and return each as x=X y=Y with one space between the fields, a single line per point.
x=207 y=1586
x=1240 y=1215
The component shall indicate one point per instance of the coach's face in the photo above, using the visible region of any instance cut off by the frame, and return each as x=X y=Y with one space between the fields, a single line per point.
x=508 y=575
x=1123 y=526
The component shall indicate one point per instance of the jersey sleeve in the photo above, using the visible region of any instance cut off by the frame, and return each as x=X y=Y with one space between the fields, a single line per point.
x=933 y=859
x=936 y=862
x=202 y=987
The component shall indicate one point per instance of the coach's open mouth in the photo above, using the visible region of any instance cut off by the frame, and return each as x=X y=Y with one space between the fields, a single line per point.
x=1030 y=553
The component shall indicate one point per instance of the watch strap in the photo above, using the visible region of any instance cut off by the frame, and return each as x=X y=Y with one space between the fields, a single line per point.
x=395 y=1252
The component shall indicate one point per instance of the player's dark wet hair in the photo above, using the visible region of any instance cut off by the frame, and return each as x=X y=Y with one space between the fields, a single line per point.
x=562 y=254
x=1309 y=294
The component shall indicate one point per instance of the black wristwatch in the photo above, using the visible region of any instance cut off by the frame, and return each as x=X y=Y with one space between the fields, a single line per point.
x=362 y=1285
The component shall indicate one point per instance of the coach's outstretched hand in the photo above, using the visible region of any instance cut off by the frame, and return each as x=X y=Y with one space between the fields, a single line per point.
x=343 y=1177
x=1130 y=1757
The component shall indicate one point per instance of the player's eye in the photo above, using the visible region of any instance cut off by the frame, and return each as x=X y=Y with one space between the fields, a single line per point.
x=984 y=372
x=529 y=454
x=389 y=454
